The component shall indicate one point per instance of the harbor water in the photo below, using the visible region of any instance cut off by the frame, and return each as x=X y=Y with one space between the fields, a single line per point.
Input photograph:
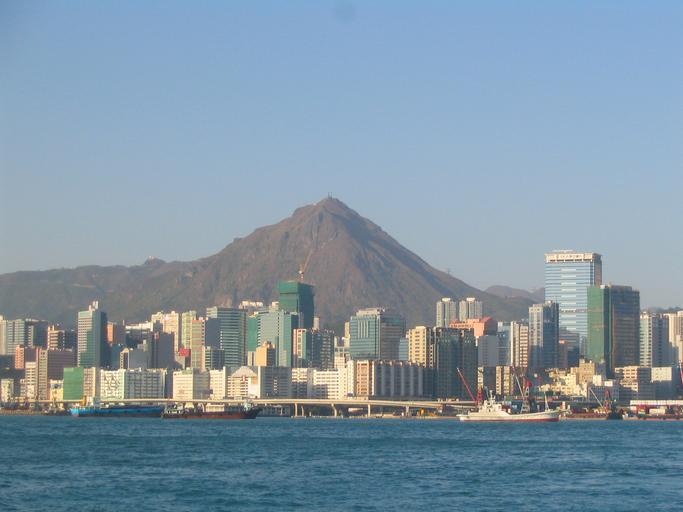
x=63 y=463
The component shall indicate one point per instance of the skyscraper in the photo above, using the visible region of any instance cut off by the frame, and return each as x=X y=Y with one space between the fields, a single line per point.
x=613 y=326
x=568 y=275
x=455 y=359
x=470 y=309
x=93 y=349
x=232 y=333
x=446 y=312
x=375 y=333
x=297 y=297
x=654 y=340
x=274 y=326
x=544 y=335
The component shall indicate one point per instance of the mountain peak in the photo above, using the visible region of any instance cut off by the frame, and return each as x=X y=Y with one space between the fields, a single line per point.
x=350 y=260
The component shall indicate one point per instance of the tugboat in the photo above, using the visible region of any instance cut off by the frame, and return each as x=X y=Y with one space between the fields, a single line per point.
x=246 y=411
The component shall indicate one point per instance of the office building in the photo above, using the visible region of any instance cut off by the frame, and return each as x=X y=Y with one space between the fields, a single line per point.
x=51 y=365
x=446 y=312
x=232 y=333
x=455 y=363
x=375 y=333
x=265 y=355
x=169 y=323
x=191 y=384
x=544 y=335
x=204 y=332
x=297 y=297
x=613 y=326
x=277 y=327
x=61 y=339
x=568 y=275
x=388 y=379
x=93 y=349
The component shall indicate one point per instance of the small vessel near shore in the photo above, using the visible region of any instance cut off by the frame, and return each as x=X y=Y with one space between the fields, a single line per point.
x=117 y=411
x=490 y=410
x=246 y=411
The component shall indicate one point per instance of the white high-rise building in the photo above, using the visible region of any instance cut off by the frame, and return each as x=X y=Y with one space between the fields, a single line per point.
x=446 y=312
x=654 y=341
x=676 y=336
x=470 y=308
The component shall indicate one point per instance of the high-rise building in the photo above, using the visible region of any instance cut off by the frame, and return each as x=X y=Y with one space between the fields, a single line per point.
x=544 y=335
x=27 y=332
x=169 y=323
x=455 y=362
x=654 y=340
x=519 y=344
x=232 y=333
x=204 y=332
x=613 y=326
x=116 y=333
x=470 y=309
x=265 y=355
x=421 y=345
x=676 y=336
x=51 y=364
x=277 y=327
x=446 y=312
x=93 y=349
x=61 y=339
x=297 y=297
x=186 y=319
x=375 y=333
x=568 y=275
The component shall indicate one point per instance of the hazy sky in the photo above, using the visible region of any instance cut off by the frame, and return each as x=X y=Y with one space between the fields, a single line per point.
x=479 y=136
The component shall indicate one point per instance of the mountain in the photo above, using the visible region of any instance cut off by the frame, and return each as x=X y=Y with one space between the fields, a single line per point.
x=507 y=292
x=352 y=262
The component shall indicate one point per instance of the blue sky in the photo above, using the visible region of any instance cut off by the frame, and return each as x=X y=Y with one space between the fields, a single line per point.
x=479 y=136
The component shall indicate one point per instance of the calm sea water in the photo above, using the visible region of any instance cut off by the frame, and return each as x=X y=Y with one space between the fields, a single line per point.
x=279 y=464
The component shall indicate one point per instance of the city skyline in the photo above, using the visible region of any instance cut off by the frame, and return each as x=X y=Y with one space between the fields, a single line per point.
x=325 y=102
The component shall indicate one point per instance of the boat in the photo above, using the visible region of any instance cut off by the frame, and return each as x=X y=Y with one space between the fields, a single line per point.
x=490 y=410
x=246 y=411
x=118 y=411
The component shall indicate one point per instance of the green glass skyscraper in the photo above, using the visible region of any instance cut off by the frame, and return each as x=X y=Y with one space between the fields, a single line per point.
x=297 y=297
x=613 y=326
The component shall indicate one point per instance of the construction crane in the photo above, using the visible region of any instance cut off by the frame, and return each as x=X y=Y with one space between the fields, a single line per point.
x=302 y=268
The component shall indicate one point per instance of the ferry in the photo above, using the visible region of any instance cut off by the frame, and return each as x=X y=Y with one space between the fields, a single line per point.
x=118 y=411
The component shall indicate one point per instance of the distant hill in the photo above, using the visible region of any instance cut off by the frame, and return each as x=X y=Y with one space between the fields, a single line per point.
x=507 y=292
x=353 y=263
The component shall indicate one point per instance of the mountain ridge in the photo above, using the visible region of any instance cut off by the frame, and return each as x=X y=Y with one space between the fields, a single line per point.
x=352 y=262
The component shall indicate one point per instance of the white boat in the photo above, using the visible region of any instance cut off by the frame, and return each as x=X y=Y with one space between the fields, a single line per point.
x=490 y=410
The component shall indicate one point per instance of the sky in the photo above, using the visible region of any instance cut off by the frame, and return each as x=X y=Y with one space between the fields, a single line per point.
x=478 y=134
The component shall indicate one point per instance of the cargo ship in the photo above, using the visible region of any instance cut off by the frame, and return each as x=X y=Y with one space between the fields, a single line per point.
x=244 y=412
x=118 y=411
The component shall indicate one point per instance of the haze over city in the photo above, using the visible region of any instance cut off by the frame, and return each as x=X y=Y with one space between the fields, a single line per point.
x=465 y=131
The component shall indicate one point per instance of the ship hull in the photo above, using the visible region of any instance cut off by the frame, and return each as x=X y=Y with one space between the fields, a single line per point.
x=236 y=415
x=534 y=417
x=117 y=412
